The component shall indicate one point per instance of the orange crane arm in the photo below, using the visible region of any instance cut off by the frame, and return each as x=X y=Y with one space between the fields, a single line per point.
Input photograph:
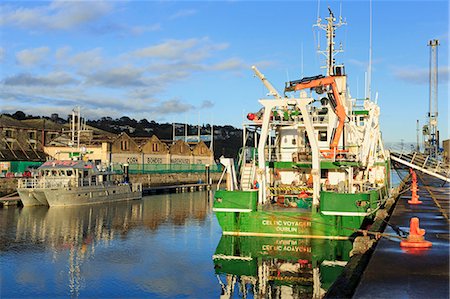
x=339 y=109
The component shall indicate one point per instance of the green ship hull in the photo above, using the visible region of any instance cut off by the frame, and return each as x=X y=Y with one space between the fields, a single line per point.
x=339 y=216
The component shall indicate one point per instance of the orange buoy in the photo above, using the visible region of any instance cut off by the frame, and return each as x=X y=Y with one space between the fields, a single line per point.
x=416 y=237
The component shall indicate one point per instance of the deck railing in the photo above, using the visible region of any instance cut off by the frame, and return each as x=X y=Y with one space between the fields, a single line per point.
x=43 y=182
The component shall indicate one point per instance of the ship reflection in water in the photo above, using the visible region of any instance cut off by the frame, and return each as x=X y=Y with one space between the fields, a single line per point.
x=278 y=268
x=164 y=246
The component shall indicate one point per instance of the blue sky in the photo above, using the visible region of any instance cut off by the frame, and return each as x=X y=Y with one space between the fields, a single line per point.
x=184 y=61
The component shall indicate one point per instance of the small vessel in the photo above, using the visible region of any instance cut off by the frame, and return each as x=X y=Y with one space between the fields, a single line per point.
x=74 y=182
x=317 y=168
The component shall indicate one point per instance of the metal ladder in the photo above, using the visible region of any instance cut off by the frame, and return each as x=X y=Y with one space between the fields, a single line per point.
x=247 y=176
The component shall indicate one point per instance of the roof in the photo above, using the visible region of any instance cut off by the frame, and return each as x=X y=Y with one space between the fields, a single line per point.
x=64 y=164
x=18 y=155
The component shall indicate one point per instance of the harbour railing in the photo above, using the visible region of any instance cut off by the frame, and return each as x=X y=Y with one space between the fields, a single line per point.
x=423 y=162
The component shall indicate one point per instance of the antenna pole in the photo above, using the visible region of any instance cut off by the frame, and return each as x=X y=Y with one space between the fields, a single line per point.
x=369 y=71
x=330 y=28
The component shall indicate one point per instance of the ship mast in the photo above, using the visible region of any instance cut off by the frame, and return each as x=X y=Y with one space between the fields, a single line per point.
x=330 y=27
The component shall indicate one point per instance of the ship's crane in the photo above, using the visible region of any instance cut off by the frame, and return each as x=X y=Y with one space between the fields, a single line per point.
x=319 y=85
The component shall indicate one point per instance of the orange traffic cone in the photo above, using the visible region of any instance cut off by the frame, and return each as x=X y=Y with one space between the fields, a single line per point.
x=416 y=236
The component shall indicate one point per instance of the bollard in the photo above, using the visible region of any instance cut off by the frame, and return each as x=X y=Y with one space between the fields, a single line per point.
x=416 y=237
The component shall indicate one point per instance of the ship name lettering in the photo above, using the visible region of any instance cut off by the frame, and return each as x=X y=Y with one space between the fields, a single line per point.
x=270 y=222
x=286 y=229
x=304 y=249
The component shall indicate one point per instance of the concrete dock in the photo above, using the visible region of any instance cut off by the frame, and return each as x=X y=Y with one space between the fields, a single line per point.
x=395 y=272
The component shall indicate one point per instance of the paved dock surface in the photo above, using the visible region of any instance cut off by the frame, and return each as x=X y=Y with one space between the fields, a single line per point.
x=394 y=272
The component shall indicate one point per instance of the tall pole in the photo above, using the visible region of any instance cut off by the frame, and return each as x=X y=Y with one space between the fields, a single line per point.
x=417 y=141
x=433 y=101
x=369 y=71
x=78 y=128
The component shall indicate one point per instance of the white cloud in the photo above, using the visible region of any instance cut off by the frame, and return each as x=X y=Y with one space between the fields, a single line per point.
x=62 y=54
x=52 y=79
x=132 y=83
x=206 y=104
x=173 y=106
x=171 y=49
x=87 y=61
x=118 y=77
x=417 y=75
x=31 y=57
x=2 y=54
x=58 y=15
x=230 y=64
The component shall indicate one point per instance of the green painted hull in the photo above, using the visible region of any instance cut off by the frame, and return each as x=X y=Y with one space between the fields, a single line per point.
x=339 y=216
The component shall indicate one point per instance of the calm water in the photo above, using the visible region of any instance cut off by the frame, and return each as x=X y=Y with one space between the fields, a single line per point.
x=158 y=247
x=163 y=246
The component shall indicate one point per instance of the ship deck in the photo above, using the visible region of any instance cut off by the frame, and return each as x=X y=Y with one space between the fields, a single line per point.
x=394 y=272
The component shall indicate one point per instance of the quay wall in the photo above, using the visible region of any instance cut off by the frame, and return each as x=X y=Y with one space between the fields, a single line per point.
x=9 y=185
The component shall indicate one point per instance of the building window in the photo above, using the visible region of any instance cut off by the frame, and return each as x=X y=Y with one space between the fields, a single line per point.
x=322 y=135
x=52 y=136
x=124 y=145
x=9 y=133
x=31 y=135
x=155 y=147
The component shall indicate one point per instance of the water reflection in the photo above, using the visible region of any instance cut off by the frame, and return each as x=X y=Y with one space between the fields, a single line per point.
x=81 y=234
x=278 y=268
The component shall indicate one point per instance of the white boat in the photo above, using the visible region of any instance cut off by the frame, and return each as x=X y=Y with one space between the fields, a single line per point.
x=69 y=183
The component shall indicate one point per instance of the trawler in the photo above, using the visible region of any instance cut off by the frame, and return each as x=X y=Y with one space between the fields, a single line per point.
x=74 y=182
x=318 y=167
